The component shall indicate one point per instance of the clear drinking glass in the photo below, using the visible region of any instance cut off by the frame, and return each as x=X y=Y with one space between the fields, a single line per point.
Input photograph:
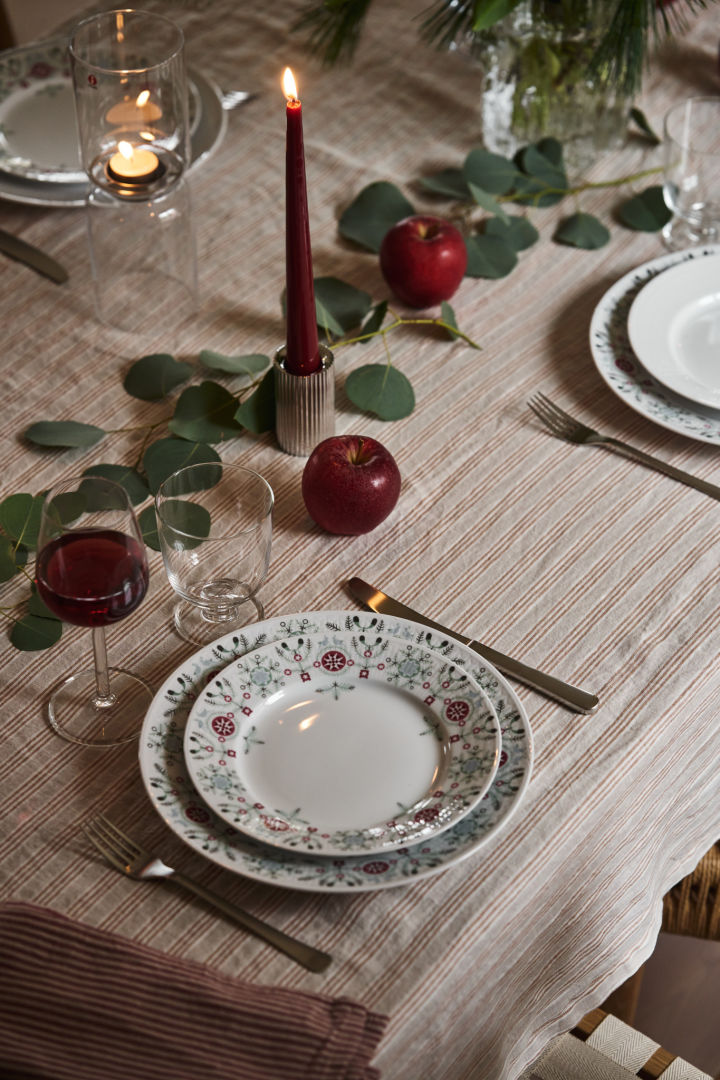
x=215 y=529
x=92 y=571
x=131 y=103
x=131 y=89
x=691 y=184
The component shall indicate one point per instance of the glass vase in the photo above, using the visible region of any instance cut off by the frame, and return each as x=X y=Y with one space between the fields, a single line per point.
x=539 y=81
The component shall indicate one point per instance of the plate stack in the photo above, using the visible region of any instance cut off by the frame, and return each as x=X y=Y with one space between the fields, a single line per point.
x=39 y=151
x=335 y=750
x=655 y=340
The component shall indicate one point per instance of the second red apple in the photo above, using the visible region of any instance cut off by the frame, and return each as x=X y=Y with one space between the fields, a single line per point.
x=423 y=259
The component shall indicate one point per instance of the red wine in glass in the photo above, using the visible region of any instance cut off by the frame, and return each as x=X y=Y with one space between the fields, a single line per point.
x=92 y=577
x=92 y=570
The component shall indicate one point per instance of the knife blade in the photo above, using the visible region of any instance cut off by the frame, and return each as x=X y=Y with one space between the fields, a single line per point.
x=571 y=696
x=31 y=256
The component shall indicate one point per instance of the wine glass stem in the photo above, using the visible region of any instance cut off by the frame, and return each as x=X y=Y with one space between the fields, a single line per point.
x=103 y=695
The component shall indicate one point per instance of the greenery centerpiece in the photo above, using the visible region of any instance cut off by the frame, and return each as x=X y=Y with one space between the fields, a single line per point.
x=561 y=68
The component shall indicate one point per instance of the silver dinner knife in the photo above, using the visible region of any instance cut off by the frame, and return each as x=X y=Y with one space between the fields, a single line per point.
x=571 y=696
x=23 y=252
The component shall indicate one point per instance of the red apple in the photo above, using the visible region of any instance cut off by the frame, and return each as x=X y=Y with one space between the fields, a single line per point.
x=423 y=260
x=350 y=484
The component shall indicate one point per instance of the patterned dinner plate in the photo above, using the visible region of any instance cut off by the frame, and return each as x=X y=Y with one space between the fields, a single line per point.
x=339 y=743
x=172 y=793
x=623 y=372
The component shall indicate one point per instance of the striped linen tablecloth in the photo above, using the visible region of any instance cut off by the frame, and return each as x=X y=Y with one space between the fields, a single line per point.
x=577 y=561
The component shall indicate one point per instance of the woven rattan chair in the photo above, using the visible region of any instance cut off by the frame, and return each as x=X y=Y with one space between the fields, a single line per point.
x=693 y=905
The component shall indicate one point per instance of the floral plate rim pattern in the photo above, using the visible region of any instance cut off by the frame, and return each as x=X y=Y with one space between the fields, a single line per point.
x=173 y=796
x=620 y=368
x=332 y=745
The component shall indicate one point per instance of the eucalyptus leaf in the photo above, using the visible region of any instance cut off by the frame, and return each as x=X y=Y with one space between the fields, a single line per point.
x=490 y=172
x=8 y=565
x=582 y=231
x=519 y=232
x=381 y=389
x=545 y=182
x=68 y=506
x=205 y=413
x=489 y=257
x=641 y=121
x=20 y=517
x=33 y=633
x=529 y=191
x=37 y=606
x=374 y=321
x=376 y=209
x=63 y=433
x=126 y=477
x=482 y=198
x=257 y=412
x=147 y=520
x=552 y=149
x=154 y=376
x=646 y=212
x=340 y=307
x=184 y=524
x=487 y=12
x=166 y=456
x=448 y=182
x=447 y=315
x=251 y=364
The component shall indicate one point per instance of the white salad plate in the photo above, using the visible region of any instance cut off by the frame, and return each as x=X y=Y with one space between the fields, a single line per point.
x=39 y=151
x=173 y=795
x=333 y=745
x=624 y=372
x=674 y=329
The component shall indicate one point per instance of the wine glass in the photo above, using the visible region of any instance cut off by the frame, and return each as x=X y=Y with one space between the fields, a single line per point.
x=215 y=530
x=92 y=571
x=691 y=178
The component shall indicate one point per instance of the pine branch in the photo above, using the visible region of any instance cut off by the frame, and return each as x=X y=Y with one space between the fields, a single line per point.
x=334 y=27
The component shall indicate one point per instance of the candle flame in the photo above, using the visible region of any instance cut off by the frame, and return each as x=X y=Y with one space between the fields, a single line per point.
x=126 y=149
x=142 y=98
x=289 y=85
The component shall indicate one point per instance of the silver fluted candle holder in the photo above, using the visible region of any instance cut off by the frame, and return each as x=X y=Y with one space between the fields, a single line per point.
x=304 y=405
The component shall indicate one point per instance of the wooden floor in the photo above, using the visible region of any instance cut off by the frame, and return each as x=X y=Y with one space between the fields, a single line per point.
x=680 y=998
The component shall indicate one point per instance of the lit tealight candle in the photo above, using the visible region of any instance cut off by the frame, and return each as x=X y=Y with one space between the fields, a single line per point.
x=140 y=111
x=134 y=164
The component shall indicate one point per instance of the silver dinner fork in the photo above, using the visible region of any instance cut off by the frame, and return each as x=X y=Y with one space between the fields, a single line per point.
x=129 y=858
x=566 y=427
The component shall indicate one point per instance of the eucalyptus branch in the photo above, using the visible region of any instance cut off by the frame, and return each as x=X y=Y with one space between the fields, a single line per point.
x=400 y=320
x=587 y=185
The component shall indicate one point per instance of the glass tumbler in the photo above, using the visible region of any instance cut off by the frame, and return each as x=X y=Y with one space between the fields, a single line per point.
x=131 y=103
x=215 y=530
x=691 y=177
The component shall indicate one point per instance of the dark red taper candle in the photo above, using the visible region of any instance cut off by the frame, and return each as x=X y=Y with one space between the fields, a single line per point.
x=302 y=347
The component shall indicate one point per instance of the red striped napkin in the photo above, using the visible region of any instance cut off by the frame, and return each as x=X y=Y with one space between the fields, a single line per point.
x=78 y=1003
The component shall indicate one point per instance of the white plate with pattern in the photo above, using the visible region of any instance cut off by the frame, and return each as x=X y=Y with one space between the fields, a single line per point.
x=332 y=745
x=622 y=370
x=173 y=795
x=674 y=329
